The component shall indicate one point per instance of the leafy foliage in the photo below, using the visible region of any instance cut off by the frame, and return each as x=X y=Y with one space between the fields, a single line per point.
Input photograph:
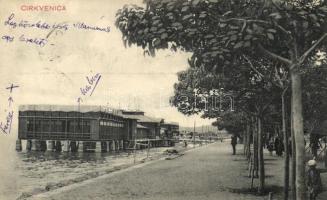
x=216 y=31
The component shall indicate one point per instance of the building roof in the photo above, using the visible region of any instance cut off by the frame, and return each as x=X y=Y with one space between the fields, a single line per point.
x=132 y=112
x=143 y=118
x=66 y=108
x=71 y=108
x=139 y=115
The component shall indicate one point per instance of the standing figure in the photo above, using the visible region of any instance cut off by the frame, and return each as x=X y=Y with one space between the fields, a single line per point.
x=185 y=143
x=278 y=146
x=234 y=143
x=313 y=180
x=270 y=146
x=314 y=144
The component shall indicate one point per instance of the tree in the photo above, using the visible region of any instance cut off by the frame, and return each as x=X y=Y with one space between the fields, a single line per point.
x=252 y=96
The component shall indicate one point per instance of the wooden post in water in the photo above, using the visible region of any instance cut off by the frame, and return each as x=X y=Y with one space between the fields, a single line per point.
x=104 y=147
x=28 y=145
x=117 y=146
x=73 y=146
x=109 y=146
x=19 y=145
x=114 y=146
x=122 y=146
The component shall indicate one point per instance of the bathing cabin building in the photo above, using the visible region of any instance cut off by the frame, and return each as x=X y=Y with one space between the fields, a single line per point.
x=85 y=128
x=53 y=126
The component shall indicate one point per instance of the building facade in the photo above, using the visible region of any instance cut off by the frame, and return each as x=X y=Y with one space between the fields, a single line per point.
x=51 y=126
x=82 y=123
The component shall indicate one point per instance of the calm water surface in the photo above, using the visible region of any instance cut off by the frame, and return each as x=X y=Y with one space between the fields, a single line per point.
x=29 y=172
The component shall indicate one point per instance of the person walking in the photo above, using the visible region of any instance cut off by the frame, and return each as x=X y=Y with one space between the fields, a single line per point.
x=270 y=146
x=279 y=146
x=185 y=143
x=314 y=184
x=234 y=143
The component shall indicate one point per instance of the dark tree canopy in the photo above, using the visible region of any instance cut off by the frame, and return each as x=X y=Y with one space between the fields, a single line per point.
x=217 y=31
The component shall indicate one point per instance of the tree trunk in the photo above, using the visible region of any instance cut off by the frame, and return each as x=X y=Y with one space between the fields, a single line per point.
x=298 y=134
x=248 y=140
x=287 y=158
x=245 y=141
x=255 y=149
x=260 y=157
x=293 y=172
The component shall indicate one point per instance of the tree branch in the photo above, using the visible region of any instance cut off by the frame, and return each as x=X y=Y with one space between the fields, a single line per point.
x=275 y=56
x=264 y=107
x=284 y=91
x=274 y=4
x=313 y=47
x=252 y=67
x=288 y=33
x=281 y=85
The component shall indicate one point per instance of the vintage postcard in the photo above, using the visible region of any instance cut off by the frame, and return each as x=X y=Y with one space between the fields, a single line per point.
x=163 y=99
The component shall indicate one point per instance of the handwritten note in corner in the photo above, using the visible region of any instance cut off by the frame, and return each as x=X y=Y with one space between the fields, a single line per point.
x=14 y=23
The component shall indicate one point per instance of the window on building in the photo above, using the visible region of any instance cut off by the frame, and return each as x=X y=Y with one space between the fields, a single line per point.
x=30 y=113
x=57 y=126
x=86 y=127
x=70 y=126
x=53 y=126
x=55 y=114
x=30 y=125
x=62 y=126
x=38 y=125
x=79 y=126
x=46 y=125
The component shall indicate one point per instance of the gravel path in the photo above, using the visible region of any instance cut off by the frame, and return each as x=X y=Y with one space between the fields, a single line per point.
x=208 y=172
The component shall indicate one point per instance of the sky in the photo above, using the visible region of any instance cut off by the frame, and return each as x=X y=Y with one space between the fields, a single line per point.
x=54 y=73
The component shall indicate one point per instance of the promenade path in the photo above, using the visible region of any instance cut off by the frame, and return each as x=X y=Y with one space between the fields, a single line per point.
x=209 y=172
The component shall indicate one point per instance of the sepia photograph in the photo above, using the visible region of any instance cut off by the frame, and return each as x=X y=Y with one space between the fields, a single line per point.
x=163 y=100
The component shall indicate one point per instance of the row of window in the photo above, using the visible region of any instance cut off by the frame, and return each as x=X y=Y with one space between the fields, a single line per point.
x=111 y=132
x=68 y=114
x=44 y=125
x=112 y=124
x=58 y=135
